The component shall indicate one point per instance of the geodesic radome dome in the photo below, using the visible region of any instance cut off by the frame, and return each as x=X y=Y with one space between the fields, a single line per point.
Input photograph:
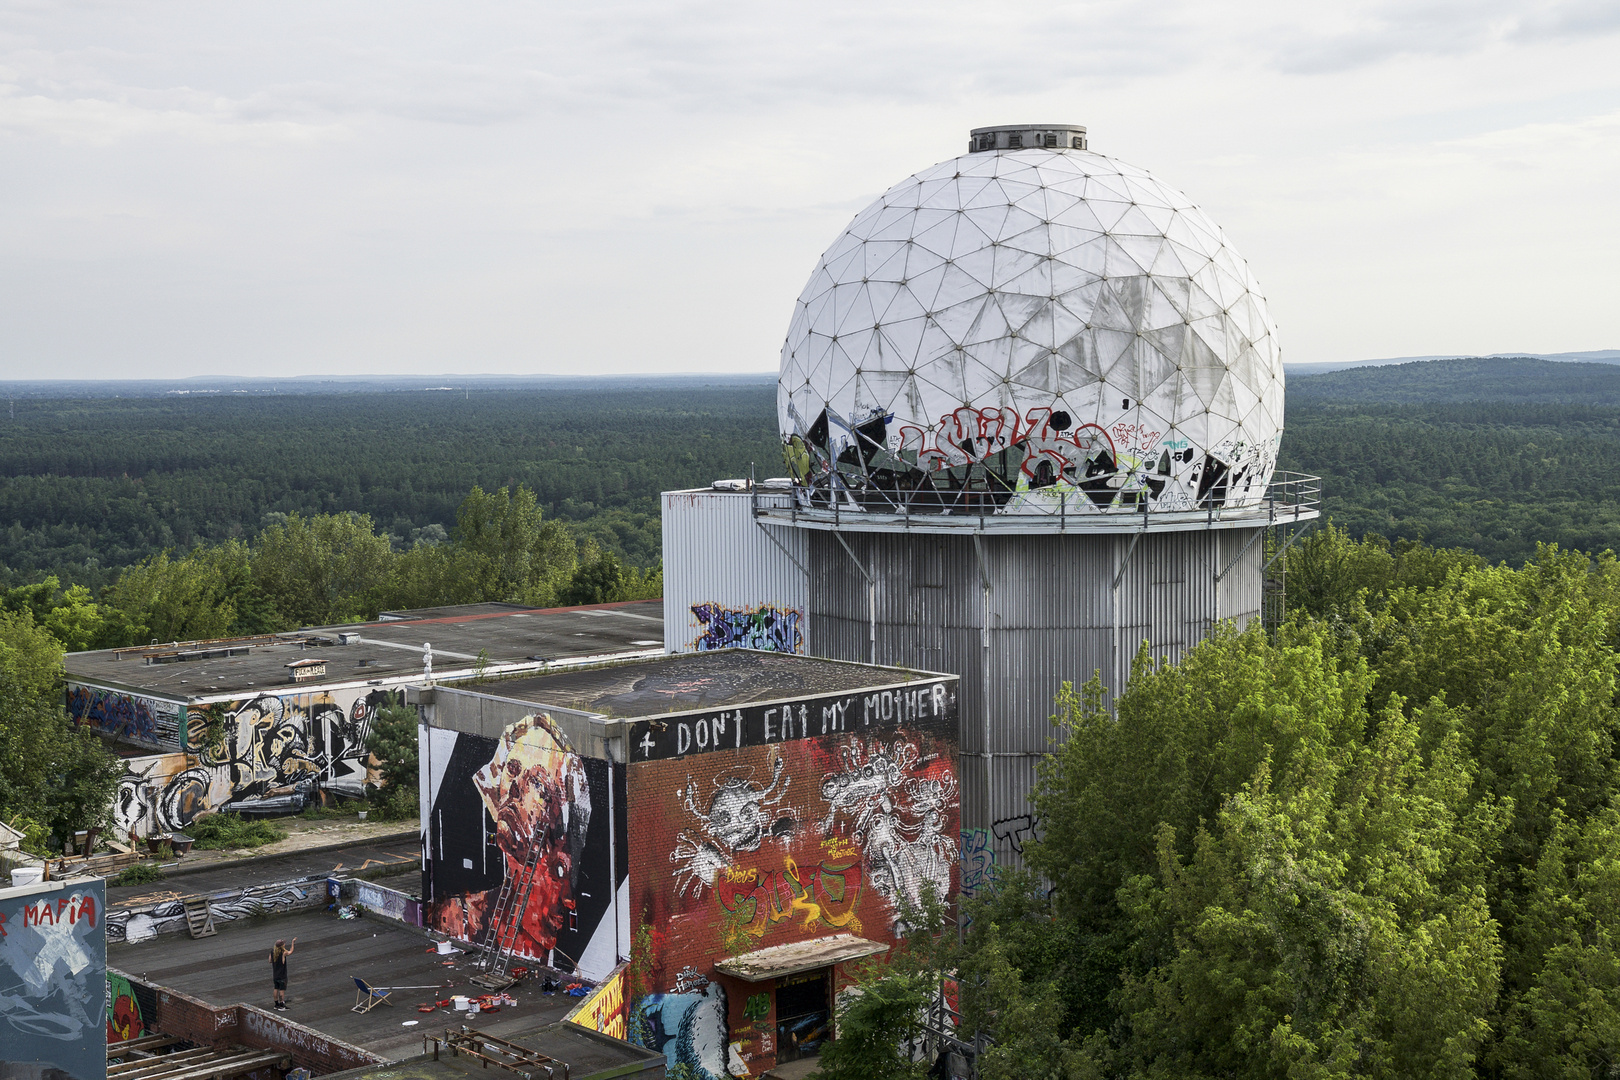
x=1027 y=325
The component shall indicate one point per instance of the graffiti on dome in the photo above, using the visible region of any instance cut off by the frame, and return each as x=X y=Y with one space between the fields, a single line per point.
x=769 y=628
x=998 y=460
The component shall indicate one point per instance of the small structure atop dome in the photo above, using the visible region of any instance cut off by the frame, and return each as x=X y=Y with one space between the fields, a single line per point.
x=1027 y=137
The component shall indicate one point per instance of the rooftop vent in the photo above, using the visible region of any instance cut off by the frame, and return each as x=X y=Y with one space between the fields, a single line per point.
x=1026 y=137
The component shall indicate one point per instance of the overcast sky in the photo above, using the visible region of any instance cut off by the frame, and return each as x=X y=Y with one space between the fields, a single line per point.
x=293 y=188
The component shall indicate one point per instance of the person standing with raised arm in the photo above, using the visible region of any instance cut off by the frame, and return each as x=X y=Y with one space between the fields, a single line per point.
x=278 y=970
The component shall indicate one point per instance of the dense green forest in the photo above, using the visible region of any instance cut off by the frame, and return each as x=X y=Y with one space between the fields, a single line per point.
x=89 y=485
x=1494 y=455
x=1383 y=841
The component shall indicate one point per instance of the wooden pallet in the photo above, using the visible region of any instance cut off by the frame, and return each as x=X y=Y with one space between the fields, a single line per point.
x=94 y=866
x=199 y=916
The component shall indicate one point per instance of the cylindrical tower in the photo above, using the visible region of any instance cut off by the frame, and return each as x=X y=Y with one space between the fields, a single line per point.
x=1030 y=401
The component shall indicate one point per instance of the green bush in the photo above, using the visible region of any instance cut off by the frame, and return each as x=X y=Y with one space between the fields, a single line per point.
x=142 y=873
x=234 y=831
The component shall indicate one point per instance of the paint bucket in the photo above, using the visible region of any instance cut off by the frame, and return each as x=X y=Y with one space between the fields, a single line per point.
x=27 y=875
x=458 y=1002
x=472 y=1008
x=445 y=948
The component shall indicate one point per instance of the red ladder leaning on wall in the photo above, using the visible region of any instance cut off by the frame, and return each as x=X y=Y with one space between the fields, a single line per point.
x=506 y=923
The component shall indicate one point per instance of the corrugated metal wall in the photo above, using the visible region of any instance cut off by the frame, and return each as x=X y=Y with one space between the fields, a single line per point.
x=715 y=553
x=1049 y=618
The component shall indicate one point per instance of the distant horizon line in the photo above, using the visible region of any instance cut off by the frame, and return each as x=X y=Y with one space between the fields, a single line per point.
x=1598 y=355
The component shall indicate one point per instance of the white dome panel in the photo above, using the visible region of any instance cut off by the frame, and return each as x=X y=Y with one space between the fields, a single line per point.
x=1023 y=319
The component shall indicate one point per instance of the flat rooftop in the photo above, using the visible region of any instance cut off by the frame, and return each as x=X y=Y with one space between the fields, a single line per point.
x=588 y=1055
x=232 y=967
x=387 y=651
x=691 y=681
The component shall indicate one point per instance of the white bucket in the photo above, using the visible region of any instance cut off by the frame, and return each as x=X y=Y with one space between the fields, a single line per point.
x=445 y=948
x=27 y=875
x=472 y=1008
x=458 y=1002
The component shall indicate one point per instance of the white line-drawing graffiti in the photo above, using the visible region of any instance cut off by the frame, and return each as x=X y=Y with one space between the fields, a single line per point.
x=898 y=819
x=740 y=817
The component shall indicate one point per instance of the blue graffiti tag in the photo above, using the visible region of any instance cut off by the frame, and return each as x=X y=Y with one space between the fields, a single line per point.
x=771 y=628
x=978 y=860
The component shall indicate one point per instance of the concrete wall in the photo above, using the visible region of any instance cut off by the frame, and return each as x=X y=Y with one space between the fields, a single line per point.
x=146 y=921
x=220 y=1026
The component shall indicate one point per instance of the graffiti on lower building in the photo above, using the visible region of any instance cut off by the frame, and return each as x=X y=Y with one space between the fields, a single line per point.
x=268 y=754
x=131 y=1008
x=769 y=628
x=526 y=808
x=166 y=913
x=144 y=721
x=165 y=793
x=53 y=967
x=688 y=1026
x=739 y=816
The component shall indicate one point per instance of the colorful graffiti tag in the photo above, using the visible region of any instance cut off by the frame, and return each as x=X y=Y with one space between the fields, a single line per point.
x=604 y=1010
x=769 y=628
x=53 y=964
x=142 y=720
x=978 y=860
x=528 y=808
x=131 y=1008
x=267 y=754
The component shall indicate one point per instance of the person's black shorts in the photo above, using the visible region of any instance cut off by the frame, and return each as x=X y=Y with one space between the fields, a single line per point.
x=281 y=984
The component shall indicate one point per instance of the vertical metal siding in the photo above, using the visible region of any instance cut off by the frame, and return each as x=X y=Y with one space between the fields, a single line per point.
x=1052 y=612
x=715 y=553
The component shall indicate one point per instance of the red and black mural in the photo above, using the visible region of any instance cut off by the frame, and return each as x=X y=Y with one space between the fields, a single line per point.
x=498 y=806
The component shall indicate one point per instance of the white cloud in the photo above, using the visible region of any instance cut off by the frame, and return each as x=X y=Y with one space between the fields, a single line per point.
x=199 y=187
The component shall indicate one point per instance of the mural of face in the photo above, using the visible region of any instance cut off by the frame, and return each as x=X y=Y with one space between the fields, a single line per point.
x=535 y=791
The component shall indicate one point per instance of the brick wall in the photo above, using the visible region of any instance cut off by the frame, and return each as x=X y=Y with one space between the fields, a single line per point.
x=745 y=848
x=213 y=1025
